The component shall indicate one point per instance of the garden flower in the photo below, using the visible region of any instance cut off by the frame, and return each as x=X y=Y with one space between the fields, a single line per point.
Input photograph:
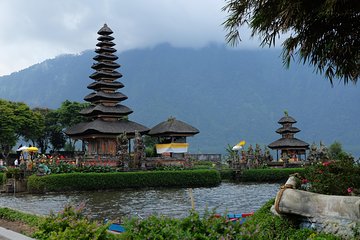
x=326 y=164
x=350 y=190
x=304 y=181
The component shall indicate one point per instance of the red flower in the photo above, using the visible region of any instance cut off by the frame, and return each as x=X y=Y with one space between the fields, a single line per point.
x=326 y=164
x=349 y=190
x=304 y=181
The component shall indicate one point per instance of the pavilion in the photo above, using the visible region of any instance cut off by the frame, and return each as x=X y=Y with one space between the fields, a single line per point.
x=172 y=135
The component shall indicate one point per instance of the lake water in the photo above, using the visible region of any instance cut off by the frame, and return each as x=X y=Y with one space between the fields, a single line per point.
x=175 y=202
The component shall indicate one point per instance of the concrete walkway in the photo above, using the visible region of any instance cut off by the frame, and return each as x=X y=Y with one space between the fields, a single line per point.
x=6 y=234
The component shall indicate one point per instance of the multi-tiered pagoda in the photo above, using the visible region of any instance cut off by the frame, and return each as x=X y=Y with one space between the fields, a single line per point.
x=290 y=147
x=107 y=117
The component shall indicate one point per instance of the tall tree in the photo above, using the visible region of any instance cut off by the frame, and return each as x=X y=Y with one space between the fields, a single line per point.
x=324 y=33
x=69 y=115
x=8 y=128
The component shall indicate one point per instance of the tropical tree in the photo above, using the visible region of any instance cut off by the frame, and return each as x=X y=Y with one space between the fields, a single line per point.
x=52 y=133
x=69 y=115
x=8 y=130
x=325 y=34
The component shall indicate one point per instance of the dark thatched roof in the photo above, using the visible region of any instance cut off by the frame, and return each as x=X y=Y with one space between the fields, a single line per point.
x=173 y=127
x=119 y=110
x=286 y=119
x=288 y=143
x=105 y=30
x=288 y=130
x=100 y=126
x=94 y=96
x=103 y=84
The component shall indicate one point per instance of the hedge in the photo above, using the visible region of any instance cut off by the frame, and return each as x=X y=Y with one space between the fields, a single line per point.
x=121 y=180
x=1 y=178
x=268 y=174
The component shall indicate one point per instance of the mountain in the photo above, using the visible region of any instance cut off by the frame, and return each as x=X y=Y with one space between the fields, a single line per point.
x=229 y=95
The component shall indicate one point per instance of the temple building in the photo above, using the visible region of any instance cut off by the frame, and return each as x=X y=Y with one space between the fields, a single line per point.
x=291 y=148
x=171 y=136
x=108 y=118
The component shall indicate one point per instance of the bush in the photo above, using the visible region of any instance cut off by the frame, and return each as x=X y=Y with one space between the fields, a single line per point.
x=192 y=227
x=2 y=178
x=121 y=180
x=341 y=177
x=268 y=175
x=70 y=224
x=262 y=225
x=14 y=215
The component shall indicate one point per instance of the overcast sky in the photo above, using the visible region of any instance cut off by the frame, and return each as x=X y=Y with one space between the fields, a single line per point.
x=32 y=31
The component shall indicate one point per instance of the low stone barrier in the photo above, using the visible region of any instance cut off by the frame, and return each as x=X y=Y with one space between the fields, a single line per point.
x=338 y=215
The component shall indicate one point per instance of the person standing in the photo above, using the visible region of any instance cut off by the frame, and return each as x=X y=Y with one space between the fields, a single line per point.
x=16 y=163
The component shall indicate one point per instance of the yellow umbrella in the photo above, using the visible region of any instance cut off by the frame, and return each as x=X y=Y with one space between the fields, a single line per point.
x=32 y=149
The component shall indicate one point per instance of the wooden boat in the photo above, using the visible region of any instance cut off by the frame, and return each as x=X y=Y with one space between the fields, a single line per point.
x=116 y=228
x=241 y=217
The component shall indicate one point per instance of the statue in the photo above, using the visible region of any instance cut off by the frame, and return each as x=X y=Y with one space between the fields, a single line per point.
x=267 y=156
x=323 y=154
x=313 y=154
x=122 y=144
x=139 y=151
x=250 y=157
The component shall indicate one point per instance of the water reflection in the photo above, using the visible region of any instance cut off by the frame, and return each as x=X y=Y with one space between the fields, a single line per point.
x=230 y=197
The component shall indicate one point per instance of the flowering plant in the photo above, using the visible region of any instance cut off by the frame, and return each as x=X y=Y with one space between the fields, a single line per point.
x=340 y=177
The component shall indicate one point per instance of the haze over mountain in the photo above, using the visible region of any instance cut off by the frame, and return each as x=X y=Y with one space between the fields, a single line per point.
x=229 y=95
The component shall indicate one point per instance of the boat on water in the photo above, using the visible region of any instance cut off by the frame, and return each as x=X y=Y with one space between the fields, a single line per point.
x=238 y=217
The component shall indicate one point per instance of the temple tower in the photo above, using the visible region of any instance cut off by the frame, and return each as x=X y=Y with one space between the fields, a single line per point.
x=108 y=118
x=290 y=147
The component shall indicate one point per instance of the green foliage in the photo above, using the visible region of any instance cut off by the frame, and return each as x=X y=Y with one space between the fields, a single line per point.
x=12 y=173
x=341 y=177
x=70 y=224
x=64 y=167
x=336 y=152
x=2 y=175
x=121 y=180
x=192 y=227
x=268 y=175
x=14 y=215
x=323 y=33
x=262 y=225
x=227 y=174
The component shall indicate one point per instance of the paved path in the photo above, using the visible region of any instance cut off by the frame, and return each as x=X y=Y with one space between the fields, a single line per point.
x=6 y=234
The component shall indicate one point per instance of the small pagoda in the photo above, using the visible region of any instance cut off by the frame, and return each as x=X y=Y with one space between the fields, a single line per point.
x=291 y=148
x=171 y=136
x=107 y=117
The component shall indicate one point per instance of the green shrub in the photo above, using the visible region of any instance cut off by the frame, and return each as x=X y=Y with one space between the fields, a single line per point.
x=263 y=225
x=340 y=177
x=121 y=180
x=70 y=224
x=14 y=215
x=269 y=174
x=1 y=178
x=227 y=174
x=192 y=227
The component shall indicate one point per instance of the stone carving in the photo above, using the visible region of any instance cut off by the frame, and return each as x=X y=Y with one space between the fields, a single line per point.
x=139 y=151
x=326 y=213
x=122 y=143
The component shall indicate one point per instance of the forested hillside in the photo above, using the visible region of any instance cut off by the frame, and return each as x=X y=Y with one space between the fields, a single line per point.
x=229 y=95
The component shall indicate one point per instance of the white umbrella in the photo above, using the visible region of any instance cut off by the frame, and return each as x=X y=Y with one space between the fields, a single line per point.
x=23 y=148
x=236 y=147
